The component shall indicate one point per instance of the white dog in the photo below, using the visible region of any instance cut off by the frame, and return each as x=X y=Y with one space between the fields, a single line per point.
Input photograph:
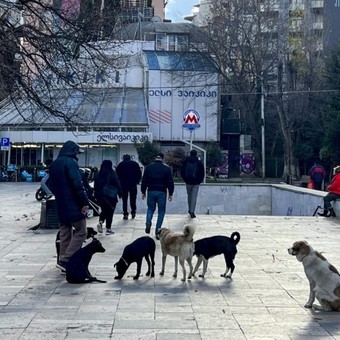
x=324 y=279
x=181 y=246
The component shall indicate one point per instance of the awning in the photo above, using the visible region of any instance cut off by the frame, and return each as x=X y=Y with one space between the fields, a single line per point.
x=180 y=61
x=95 y=106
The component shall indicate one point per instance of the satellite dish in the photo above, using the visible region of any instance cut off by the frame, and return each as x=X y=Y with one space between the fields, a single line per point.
x=156 y=19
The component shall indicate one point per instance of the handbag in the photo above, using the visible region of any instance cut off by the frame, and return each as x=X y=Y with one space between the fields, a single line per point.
x=110 y=191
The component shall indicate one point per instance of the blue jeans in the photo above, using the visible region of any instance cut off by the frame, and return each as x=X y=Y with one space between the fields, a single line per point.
x=156 y=198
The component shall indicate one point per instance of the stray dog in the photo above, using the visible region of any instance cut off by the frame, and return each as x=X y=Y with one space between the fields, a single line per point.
x=324 y=279
x=134 y=252
x=77 y=268
x=90 y=233
x=209 y=247
x=179 y=246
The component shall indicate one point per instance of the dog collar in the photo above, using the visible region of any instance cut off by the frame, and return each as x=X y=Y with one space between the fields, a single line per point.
x=125 y=262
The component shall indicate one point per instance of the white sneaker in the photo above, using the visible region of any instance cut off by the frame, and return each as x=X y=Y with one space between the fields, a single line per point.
x=100 y=227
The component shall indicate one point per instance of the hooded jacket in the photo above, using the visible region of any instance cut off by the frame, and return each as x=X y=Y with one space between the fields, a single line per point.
x=66 y=184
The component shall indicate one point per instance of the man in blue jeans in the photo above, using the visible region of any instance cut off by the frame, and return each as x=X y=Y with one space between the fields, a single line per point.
x=157 y=180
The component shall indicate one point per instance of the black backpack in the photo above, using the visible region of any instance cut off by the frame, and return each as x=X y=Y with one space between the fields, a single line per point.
x=191 y=170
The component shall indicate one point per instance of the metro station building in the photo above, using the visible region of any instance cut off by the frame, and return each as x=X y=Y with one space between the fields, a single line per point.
x=160 y=89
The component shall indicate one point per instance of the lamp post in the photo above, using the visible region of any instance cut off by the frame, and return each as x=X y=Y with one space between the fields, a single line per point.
x=262 y=131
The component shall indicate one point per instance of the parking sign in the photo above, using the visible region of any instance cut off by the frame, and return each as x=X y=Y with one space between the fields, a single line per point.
x=4 y=144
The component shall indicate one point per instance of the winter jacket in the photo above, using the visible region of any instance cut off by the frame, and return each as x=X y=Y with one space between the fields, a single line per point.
x=106 y=176
x=66 y=184
x=334 y=187
x=317 y=173
x=157 y=177
x=198 y=176
x=129 y=173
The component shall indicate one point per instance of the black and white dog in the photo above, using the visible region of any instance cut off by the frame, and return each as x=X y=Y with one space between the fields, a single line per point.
x=77 y=268
x=209 y=247
x=143 y=247
x=91 y=233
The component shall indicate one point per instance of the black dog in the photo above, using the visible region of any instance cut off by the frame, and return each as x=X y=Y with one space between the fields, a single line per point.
x=90 y=233
x=209 y=247
x=142 y=247
x=77 y=268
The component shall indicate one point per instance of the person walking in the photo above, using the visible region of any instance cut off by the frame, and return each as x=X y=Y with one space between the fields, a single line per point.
x=71 y=200
x=106 y=177
x=333 y=194
x=157 y=180
x=129 y=174
x=192 y=172
x=317 y=175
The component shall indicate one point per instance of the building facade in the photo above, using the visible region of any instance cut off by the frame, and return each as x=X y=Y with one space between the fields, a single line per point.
x=156 y=90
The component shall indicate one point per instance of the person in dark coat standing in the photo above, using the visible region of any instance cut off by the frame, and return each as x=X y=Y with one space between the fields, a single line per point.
x=71 y=199
x=106 y=175
x=129 y=174
x=192 y=172
x=157 y=180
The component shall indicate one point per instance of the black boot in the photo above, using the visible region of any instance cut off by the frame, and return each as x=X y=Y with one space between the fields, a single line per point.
x=331 y=212
x=325 y=213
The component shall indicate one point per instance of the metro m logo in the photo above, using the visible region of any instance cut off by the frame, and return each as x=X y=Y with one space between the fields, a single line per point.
x=191 y=118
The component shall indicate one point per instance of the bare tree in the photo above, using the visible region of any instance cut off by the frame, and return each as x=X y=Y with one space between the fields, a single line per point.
x=52 y=50
x=243 y=42
x=257 y=53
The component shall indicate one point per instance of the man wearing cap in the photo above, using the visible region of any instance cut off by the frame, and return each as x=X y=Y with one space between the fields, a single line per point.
x=158 y=181
x=129 y=174
x=71 y=199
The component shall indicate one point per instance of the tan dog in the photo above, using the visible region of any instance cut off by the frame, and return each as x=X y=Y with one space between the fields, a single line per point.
x=324 y=279
x=180 y=246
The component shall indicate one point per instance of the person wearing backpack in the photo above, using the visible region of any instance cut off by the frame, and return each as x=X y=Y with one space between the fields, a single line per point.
x=192 y=172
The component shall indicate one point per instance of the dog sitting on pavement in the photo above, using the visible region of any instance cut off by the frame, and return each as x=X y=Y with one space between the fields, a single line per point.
x=209 y=247
x=91 y=233
x=324 y=279
x=143 y=247
x=181 y=246
x=77 y=268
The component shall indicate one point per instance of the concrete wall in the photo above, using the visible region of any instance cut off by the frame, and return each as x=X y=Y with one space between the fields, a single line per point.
x=245 y=199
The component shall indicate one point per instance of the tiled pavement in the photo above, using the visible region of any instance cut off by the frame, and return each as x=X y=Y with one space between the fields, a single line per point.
x=263 y=301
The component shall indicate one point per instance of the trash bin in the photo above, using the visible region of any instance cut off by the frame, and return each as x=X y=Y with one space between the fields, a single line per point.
x=48 y=215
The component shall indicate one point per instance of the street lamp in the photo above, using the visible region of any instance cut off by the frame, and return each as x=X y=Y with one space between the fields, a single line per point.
x=262 y=131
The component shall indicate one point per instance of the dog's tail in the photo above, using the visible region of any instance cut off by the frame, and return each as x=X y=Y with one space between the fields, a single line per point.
x=235 y=237
x=189 y=231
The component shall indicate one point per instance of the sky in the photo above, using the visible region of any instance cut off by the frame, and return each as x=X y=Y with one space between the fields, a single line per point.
x=177 y=9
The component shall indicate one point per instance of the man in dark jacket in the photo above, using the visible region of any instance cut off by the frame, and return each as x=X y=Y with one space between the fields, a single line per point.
x=71 y=199
x=129 y=174
x=192 y=172
x=157 y=179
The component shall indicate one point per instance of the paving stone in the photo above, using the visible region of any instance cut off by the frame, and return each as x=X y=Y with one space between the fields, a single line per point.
x=264 y=300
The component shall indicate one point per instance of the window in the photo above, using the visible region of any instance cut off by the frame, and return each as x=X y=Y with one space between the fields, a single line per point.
x=172 y=42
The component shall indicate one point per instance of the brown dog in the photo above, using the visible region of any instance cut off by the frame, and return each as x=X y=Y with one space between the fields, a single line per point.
x=324 y=279
x=181 y=246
